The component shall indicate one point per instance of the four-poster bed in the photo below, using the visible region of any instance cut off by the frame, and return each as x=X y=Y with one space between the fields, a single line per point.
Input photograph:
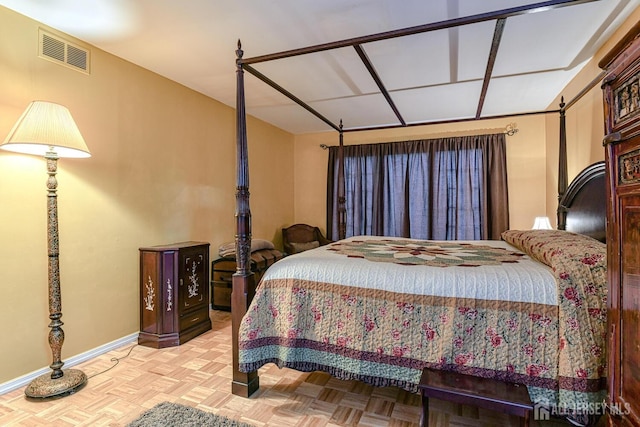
x=572 y=380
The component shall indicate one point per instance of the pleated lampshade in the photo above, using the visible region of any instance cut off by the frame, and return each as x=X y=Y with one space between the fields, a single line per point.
x=45 y=127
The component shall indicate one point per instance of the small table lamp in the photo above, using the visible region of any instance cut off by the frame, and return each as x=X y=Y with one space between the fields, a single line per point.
x=47 y=129
x=542 y=223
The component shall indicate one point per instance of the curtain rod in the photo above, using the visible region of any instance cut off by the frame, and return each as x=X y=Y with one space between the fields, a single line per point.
x=509 y=130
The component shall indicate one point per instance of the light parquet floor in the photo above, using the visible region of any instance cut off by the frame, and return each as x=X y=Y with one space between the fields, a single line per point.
x=198 y=373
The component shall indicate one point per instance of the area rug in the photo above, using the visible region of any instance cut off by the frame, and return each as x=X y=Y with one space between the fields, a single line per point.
x=175 y=414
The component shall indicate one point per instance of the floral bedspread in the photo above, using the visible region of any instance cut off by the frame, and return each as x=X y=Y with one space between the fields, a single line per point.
x=379 y=310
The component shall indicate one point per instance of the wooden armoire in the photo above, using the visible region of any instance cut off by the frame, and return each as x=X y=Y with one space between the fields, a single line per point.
x=622 y=147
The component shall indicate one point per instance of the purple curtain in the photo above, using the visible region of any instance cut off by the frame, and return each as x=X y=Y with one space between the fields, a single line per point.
x=439 y=189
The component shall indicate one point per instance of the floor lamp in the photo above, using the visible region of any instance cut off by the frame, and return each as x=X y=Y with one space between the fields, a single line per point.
x=47 y=129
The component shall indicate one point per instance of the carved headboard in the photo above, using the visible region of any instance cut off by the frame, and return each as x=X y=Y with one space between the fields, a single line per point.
x=583 y=208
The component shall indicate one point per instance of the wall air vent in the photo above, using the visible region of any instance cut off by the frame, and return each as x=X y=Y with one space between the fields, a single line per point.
x=63 y=52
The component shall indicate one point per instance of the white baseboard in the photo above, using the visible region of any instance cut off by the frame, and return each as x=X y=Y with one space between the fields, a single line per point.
x=82 y=357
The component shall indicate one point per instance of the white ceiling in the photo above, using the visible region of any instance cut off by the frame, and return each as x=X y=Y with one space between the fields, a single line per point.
x=431 y=76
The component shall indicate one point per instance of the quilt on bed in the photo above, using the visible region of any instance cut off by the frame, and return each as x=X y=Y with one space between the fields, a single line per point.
x=379 y=310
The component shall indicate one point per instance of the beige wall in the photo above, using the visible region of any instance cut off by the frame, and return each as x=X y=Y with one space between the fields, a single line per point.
x=525 y=164
x=162 y=170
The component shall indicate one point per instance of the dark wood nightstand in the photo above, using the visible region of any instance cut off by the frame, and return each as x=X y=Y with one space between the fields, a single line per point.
x=174 y=295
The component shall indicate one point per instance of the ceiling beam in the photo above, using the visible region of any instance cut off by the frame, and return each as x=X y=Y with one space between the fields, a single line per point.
x=456 y=22
x=374 y=74
x=493 y=53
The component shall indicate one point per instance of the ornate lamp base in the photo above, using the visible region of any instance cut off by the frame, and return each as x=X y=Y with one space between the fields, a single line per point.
x=44 y=387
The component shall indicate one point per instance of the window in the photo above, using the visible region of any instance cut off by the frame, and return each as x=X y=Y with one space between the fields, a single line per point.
x=440 y=189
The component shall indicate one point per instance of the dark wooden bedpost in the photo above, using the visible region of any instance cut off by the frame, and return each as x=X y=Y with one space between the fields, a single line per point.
x=342 y=209
x=562 y=167
x=244 y=384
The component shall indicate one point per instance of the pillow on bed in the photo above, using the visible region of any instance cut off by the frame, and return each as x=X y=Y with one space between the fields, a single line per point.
x=301 y=247
x=229 y=248
x=543 y=245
